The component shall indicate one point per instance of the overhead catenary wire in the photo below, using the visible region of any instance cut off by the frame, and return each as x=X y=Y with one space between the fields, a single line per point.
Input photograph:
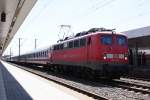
x=39 y=10
x=129 y=19
x=94 y=8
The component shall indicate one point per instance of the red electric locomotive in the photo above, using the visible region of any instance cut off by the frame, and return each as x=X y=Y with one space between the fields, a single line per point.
x=98 y=50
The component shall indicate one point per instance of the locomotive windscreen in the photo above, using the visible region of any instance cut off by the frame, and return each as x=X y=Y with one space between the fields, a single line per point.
x=121 y=40
x=106 y=39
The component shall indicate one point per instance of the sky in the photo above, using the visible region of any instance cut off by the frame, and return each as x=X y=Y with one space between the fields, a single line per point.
x=44 y=20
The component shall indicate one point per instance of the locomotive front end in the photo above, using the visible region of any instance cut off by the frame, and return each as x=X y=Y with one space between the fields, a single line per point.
x=113 y=54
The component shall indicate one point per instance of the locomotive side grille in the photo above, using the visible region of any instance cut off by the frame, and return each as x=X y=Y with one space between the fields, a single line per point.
x=121 y=56
x=115 y=56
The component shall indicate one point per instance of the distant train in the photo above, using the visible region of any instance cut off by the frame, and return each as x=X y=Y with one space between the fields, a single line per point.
x=98 y=52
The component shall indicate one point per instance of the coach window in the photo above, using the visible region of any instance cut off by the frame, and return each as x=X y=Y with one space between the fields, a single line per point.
x=82 y=42
x=54 y=47
x=71 y=44
x=38 y=54
x=46 y=53
x=76 y=43
x=43 y=53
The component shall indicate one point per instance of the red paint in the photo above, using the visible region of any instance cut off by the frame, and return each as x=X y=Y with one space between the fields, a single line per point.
x=92 y=52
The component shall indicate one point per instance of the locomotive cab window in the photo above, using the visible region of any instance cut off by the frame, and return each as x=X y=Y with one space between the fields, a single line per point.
x=58 y=47
x=61 y=46
x=121 y=40
x=71 y=44
x=82 y=42
x=65 y=45
x=76 y=43
x=106 y=39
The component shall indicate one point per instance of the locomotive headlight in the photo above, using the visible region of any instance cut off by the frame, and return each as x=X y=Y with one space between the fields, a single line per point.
x=126 y=58
x=104 y=57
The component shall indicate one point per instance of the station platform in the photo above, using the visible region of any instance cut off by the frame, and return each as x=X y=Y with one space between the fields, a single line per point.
x=17 y=84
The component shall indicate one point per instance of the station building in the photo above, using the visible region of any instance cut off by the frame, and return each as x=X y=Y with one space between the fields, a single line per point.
x=139 y=45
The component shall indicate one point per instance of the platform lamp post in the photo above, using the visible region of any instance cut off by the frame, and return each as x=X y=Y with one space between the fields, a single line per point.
x=35 y=43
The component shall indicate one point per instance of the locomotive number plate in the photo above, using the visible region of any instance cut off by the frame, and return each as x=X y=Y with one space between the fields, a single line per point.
x=109 y=55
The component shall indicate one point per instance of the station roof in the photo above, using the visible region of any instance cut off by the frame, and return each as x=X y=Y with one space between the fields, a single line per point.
x=139 y=37
x=12 y=15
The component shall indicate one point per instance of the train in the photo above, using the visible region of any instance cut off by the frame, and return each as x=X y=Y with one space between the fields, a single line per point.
x=98 y=52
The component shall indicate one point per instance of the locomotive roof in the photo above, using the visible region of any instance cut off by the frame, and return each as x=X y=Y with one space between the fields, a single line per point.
x=90 y=34
x=36 y=51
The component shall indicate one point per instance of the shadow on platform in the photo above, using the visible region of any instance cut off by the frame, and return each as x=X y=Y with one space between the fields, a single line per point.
x=13 y=90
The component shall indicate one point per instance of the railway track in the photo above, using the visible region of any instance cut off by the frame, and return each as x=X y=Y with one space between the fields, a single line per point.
x=137 y=78
x=114 y=83
x=145 y=89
